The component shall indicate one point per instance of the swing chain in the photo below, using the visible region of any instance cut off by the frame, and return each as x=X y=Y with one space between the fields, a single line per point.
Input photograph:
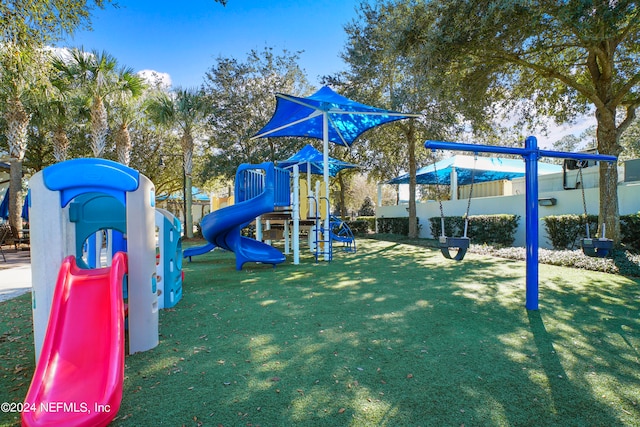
x=473 y=173
x=584 y=200
x=435 y=172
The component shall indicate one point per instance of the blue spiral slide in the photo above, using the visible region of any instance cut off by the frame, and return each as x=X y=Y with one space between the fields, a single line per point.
x=222 y=227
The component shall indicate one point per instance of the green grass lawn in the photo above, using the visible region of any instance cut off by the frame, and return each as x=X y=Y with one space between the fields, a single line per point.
x=393 y=335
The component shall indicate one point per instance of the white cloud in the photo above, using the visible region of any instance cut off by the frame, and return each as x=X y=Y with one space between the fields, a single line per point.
x=156 y=78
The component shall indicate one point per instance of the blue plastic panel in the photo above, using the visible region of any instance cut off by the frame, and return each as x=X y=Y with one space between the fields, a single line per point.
x=78 y=176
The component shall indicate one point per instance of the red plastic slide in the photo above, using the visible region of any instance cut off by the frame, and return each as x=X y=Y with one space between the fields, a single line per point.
x=79 y=375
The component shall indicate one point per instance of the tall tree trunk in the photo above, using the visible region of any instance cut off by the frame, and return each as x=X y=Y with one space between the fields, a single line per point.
x=411 y=140
x=17 y=123
x=123 y=144
x=343 y=189
x=99 y=127
x=608 y=143
x=187 y=152
x=60 y=144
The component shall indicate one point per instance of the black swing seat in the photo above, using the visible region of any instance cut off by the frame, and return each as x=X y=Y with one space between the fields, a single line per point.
x=598 y=248
x=445 y=243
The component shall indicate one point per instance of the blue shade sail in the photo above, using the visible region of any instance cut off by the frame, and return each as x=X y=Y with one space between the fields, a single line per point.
x=4 y=206
x=302 y=117
x=310 y=160
x=486 y=169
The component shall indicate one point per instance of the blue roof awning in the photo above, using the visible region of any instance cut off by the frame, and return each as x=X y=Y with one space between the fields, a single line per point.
x=310 y=160
x=303 y=117
x=486 y=169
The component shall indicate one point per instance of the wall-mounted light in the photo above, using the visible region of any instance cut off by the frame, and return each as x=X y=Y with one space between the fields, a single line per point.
x=547 y=201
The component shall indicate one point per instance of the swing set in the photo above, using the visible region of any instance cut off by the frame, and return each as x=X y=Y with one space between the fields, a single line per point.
x=445 y=243
x=599 y=247
x=530 y=153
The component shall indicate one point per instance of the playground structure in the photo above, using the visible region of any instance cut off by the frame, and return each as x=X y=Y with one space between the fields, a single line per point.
x=264 y=193
x=531 y=153
x=259 y=189
x=78 y=318
x=327 y=116
x=169 y=274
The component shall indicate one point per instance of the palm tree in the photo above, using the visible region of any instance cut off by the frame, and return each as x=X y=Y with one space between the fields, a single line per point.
x=57 y=111
x=127 y=109
x=21 y=77
x=96 y=74
x=185 y=111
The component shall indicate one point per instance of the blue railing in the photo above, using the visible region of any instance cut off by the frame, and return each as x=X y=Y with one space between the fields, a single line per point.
x=253 y=180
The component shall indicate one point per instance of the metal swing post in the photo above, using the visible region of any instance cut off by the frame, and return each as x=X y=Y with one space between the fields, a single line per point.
x=530 y=153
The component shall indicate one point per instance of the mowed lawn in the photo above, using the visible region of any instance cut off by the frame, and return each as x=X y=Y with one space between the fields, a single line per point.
x=394 y=335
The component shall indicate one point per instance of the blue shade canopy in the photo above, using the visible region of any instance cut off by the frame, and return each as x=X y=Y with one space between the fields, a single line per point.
x=302 y=117
x=310 y=160
x=197 y=195
x=4 y=206
x=486 y=169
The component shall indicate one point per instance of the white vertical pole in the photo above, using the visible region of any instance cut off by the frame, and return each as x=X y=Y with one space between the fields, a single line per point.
x=296 y=215
x=325 y=175
x=259 y=228
x=378 y=204
x=268 y=228
x=311 y=193
x=454 y=183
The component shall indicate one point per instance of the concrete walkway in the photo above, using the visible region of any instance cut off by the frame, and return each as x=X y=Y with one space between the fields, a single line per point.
x=15 y=274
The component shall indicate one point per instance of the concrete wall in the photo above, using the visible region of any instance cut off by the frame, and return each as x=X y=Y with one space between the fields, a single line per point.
x=568 y=202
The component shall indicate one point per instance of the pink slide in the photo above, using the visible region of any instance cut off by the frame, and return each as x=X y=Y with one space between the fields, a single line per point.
x=79 y=375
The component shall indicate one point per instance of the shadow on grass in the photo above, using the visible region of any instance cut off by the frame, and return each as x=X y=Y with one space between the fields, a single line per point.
x=392 y=335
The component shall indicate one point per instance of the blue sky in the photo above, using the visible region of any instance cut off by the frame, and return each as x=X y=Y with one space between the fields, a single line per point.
x=183 y=38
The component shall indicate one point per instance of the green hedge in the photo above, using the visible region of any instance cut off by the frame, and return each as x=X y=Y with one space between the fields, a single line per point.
x=490 y=229
x=396 y=225
x=630 y=230
x=360 y=226
x=564 y=231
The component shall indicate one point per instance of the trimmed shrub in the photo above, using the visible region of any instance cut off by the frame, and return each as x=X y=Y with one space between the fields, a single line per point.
x=396 y=225
x=489 y=229
x=359 y=227
x=630 y=230
x=564 y=231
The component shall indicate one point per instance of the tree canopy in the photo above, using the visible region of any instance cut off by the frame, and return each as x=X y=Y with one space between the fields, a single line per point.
x=537 y=59
x=241 y=96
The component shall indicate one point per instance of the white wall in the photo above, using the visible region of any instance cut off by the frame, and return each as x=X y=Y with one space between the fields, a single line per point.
x=568 y=202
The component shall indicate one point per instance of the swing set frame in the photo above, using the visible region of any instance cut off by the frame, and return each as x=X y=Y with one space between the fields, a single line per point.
x=530 y=153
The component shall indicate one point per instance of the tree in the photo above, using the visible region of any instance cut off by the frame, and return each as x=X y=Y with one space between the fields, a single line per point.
x=381 y=75
x=630 y=140
x=25 y=27
x=127 y=108
x=95 y=75
x=184 y=111
x=545 y=58
x=241 y=96
x=367 y=208
x=22 y=76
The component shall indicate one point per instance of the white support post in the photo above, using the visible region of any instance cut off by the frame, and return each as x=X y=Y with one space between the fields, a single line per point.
x=454 y=184
x=268 y=228
x=296 y=215
x=325 y=175
x=259 y=229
